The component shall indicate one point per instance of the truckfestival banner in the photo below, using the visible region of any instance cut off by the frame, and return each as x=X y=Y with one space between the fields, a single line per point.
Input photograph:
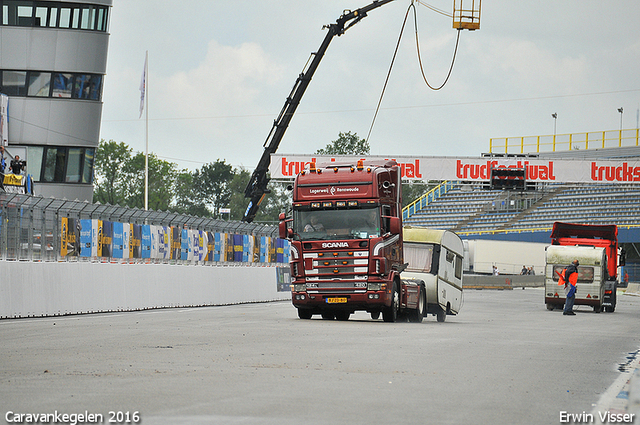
x=476 y=169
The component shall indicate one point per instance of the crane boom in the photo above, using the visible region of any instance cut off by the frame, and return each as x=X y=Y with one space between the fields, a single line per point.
x=257 y=187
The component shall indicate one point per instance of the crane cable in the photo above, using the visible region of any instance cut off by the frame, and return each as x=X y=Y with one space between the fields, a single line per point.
x=384 y=88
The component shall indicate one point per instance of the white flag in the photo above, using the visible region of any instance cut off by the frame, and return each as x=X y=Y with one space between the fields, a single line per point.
x=143 y=86
x=4 y=121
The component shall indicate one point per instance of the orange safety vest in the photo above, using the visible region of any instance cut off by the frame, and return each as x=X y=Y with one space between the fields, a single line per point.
x=573 y=279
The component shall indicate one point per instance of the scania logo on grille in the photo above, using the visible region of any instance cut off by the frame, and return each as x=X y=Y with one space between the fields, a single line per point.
x=335 y=245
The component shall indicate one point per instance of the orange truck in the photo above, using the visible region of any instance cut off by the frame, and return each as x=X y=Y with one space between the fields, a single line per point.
x=596 y=247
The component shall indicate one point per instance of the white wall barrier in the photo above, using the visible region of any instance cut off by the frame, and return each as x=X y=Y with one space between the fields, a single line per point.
x=34 y=289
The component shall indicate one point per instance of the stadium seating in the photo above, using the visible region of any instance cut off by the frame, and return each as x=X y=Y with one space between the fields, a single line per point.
x=472 y=208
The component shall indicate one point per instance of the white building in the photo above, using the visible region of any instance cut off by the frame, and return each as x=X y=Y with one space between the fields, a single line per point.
x=53 y=57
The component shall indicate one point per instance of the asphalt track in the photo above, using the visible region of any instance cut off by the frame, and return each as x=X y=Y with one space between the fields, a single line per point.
x=504 y=359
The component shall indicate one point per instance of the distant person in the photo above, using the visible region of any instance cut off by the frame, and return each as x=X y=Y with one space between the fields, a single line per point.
x=496 y=272
x=570 y=279
x=17 y=165
x=3 y=164
x=532 y=272
x=524 y=271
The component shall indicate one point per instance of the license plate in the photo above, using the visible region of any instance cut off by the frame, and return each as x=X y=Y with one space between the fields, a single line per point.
x=337 y=300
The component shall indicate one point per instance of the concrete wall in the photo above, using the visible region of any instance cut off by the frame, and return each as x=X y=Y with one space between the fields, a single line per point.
x=47 y=289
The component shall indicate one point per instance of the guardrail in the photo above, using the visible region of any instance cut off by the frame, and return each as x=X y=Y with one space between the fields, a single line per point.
x=427 y=198
x=569 y=141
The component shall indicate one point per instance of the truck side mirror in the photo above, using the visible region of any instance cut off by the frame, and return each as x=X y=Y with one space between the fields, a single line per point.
x=282 y=226
x=394 y=225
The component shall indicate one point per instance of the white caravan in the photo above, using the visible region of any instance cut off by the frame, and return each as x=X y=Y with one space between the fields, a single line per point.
x=434 y=259
x=592 y=275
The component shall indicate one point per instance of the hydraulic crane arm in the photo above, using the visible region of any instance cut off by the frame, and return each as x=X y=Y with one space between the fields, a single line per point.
x=257 y=187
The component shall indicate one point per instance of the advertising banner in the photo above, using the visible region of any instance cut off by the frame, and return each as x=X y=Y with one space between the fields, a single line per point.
x=237 y=247
x=175 y=243
x=118 y=240
x=476 y=168
x=86 y=239
x=218 y=250
x=135 y=240
x=184 y=244
x=107 y=239
x=211 y=246
x=145 y=241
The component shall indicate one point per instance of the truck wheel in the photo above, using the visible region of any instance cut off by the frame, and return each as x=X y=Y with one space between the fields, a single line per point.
x=390 y=314
x=597 y=308
x=342 y=315
x=328 y=315
x=304 y=314
x=375 y=315
x=441 y=315
x=550 y=307
x=416 y=316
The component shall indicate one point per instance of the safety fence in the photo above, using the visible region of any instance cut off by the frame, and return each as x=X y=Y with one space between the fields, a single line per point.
x=54 y=230
x=562 y=142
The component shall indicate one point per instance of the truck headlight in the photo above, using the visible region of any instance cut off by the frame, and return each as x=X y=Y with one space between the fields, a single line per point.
x=299 y=287
x=374 y=286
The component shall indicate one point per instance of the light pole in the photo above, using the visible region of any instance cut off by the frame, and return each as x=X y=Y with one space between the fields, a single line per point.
x=620 y=135
x=555 y=121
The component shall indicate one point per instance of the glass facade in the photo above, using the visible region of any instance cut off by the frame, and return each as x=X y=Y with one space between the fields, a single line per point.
x=53 y=14
x=51 y=84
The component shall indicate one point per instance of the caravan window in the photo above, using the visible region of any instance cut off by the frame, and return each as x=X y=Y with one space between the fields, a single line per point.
x=585 y=274
x=458 y=267
x=419 y=256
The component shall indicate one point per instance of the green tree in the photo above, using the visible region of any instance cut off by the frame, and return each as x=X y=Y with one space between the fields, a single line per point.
x=211 y=184
x=162 y=177
x=110 y=179
x=346 y=144
x=186 y=199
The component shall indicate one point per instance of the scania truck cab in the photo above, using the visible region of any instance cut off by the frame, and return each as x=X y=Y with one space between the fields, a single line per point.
x=346 y=243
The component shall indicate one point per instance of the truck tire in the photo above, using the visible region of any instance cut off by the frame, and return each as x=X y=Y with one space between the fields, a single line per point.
x=375 y=315
x=550 y=307
x=390 y=314
x=304 y=313
x=441 y=314
x=416 y=316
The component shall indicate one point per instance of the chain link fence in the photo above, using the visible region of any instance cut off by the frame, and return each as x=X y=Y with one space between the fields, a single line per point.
x=40 y=229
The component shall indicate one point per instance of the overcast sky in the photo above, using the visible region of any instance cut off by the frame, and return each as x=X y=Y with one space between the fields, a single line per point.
x=220 y=71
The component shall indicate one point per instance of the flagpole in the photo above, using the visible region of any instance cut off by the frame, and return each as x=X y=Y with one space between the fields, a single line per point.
x=146 y=133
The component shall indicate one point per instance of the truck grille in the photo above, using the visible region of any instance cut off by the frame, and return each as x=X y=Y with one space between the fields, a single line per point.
x=340 y=268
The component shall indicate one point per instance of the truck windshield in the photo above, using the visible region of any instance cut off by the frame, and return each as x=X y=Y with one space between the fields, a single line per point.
x=336 y=224
x=419 y=256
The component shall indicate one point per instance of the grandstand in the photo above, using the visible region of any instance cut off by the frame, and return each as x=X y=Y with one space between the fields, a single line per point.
x=474 y=211
x=470 y=208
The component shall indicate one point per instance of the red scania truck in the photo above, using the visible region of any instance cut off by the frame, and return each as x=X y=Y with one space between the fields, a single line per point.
x=346 y=243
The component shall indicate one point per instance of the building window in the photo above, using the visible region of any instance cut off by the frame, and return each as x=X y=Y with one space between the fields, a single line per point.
x=48 y=84
x=39 y=84
x=54 y=14
x=14 y=83
x=59 y=164
x=62 y=84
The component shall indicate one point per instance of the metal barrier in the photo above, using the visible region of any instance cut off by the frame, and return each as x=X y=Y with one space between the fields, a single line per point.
x=570 y=141
x=35 y=229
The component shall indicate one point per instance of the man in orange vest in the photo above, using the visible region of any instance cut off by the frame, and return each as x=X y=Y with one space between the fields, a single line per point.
x=570 y=278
